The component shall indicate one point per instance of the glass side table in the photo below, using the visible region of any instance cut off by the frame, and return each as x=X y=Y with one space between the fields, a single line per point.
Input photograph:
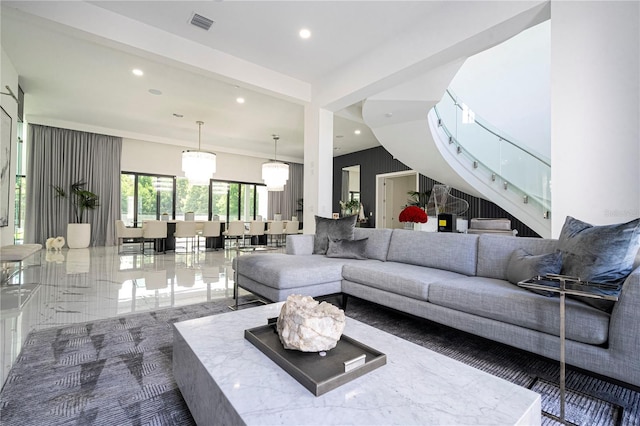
x=563 y=285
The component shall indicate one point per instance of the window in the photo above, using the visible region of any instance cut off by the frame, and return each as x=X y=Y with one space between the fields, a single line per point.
x=127 y=197
x=191 y=198
x=147 y=197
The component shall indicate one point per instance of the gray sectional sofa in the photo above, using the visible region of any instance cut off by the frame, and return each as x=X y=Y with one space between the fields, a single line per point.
x=459 y=280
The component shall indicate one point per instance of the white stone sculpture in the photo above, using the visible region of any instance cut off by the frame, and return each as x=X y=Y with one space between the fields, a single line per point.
x=309 y=326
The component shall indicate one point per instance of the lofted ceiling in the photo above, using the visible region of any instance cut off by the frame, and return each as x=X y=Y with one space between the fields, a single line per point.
x=82 y=79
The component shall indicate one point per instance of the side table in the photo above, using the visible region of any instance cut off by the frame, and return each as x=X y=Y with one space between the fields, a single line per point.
x=563 y=285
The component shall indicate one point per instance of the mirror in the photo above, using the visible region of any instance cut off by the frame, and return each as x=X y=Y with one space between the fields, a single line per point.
x=351 y=185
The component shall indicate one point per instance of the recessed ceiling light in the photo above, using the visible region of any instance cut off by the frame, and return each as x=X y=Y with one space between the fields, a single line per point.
x=240 y=100
x=305 y=33
x=357 y=131
x=137 y=72
x=155 y=92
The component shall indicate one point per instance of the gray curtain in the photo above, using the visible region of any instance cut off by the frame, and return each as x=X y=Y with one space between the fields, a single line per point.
x=286 y=202
x=61 y=157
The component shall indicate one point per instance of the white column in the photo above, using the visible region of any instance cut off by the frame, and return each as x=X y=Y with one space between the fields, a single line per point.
x=595 y=112
x=318 y=165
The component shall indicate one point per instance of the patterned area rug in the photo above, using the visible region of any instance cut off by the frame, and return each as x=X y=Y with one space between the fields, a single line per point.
x=118 y=371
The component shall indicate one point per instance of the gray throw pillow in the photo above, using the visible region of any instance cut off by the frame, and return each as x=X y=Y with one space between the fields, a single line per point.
x=338 y=229
x=523 y=266
x=598 y=253
x=347 y=249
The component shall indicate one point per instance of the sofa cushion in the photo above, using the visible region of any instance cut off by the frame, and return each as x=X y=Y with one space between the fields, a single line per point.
x=494 y=252
x=339 y=229
x=443 y=250
x=378 y=241
x=279 y=270
x=523 y=265
x=502 y=301
x=598 y=253
x=400 y=278
x=347 y=249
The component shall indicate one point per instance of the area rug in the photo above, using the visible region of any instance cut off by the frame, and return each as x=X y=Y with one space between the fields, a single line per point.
x=118 y=371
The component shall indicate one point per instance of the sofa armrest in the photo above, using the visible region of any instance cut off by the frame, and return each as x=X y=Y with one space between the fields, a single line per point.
x=300 y=244
x=624 y=327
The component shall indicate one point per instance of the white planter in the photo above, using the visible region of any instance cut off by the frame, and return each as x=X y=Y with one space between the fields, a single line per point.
x=78 y=235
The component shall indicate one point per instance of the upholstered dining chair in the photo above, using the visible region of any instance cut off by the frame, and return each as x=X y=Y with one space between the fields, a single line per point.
x=292 y=228
x=156 y=231
x=276 y=228
x=210 y=229
x=256 y=229
x=187 y=230
x=235 y=229
x=124 y=233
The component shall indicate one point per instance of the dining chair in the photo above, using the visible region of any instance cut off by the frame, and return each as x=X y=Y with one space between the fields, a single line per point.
x=187 y=230
x=210 y=229
x=256 y=229
x=124 y=233
x=156 y=231
x=235 y=229
x=276 y=228
x=292 y=228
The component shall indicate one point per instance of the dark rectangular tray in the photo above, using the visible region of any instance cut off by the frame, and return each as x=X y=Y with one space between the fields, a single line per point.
x=319 y=374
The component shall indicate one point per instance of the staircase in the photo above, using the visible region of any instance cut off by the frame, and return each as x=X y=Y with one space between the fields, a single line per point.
x=471 y=157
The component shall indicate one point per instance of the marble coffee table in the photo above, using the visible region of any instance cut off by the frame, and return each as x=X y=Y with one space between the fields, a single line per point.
x=227 y=380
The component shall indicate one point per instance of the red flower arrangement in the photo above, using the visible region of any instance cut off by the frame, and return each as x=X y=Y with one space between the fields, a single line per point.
x=413 y=214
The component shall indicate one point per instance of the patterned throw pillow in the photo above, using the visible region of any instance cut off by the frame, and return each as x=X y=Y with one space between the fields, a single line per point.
x=523 y=266
x=598 y=253
x=338 y=229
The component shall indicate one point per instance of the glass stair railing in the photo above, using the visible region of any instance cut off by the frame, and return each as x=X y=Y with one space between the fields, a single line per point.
x=486 y=150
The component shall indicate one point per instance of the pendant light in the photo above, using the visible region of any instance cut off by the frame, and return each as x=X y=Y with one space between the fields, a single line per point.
x=198 y=166
x=274 y=173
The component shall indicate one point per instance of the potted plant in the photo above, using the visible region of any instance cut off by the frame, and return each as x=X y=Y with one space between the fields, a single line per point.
x=78 y=232
x=350 y=208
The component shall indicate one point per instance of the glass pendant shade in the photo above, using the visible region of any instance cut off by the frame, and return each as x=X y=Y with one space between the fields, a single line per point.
x=198 y=166
x=274 y=173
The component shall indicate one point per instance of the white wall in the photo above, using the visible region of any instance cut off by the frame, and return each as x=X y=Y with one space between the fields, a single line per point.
x=155 y=158
x=509 y=86
x=595 y=112
x=9 y=77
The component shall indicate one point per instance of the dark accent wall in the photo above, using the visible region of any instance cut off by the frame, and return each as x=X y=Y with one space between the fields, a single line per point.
x=377 y=161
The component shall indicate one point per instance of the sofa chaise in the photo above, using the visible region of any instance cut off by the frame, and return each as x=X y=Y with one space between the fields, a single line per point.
x=464 y=281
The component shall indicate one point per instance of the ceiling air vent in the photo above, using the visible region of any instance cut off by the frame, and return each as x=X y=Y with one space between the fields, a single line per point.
x=201 y=22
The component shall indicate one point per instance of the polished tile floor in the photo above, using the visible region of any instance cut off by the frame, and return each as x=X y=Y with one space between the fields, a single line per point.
x=90 y=284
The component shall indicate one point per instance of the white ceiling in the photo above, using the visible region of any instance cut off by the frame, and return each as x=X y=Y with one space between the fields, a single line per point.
x=79 y=79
